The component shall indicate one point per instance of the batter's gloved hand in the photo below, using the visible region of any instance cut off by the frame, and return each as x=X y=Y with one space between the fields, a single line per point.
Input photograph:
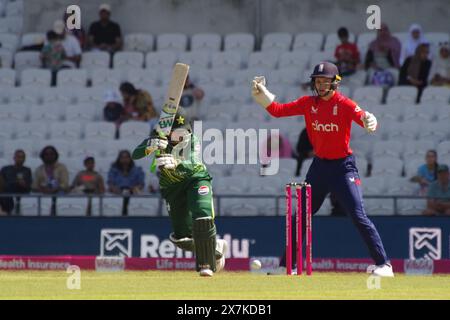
x=260 y=94
x=166 y=161
x=370 y=122
x=155 y=143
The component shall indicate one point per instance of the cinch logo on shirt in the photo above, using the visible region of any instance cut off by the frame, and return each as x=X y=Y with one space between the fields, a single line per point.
x=327 y=127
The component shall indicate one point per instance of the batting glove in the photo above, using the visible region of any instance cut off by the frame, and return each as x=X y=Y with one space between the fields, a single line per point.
x=260 y=94
x=370 y=122
x=157 y=143
x=166 y=161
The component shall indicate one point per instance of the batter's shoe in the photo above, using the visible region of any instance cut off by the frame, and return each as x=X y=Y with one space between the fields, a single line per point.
x=206 y=273
x=384 y=270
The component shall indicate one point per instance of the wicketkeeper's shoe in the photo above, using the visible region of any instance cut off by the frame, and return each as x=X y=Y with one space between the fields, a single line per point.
x=206 y=273
x=384 y=270
x=222 y=248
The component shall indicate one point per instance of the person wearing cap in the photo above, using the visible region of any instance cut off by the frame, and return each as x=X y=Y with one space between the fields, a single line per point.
x=440 y=69
x=88 y=181
x=328 y=117
x=105 y=34
x=438 y=202
x=71 y=45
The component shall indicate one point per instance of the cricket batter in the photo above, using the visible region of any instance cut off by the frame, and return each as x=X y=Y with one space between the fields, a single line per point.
x=186 y=186
x=328 y=117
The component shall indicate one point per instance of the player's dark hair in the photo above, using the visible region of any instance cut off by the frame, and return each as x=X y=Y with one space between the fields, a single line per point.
x=343 y=32
x=117 y=163
x=45 y=149
x=128 y=88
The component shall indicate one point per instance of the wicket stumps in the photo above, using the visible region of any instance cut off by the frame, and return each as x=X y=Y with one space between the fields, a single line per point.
x=299 y=187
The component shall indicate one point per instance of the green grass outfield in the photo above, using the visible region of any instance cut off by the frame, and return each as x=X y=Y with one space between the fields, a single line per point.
x=227 y=285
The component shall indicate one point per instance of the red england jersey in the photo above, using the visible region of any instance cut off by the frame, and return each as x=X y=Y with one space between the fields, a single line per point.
x=328 y=123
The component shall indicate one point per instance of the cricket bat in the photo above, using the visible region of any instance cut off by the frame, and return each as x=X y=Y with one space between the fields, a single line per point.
x=171 y=102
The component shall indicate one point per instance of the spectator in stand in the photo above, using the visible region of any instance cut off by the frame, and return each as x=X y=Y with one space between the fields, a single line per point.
x=439 y=193
x=51 y=177
x=191 y=97
x=346 y=54
x=415 y=37
x=125 y=178
x=53 y=55
x=427 y=173
x=113 y=110
x=383 y=53
x=416 y=69
x=88 y=181
x=105 y=34
x=440 y=69
x=79 y=34
x=304 y=150
x=138 y=104
x=71 y=45
x=16 y=178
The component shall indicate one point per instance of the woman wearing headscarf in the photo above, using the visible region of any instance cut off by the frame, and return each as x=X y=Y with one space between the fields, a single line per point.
x=415 y=37
x=415 y=70
x=384 y=51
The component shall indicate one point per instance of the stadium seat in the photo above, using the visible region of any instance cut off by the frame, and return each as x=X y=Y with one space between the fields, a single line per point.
x=319 y=57
x=374 y=185
x=7 y=128
x=241 y=42
x=27 y=59
x=160 y=60
x=6 y=57
x=401 y=186
x=196 y=59
x=390 y=148
x=401 y=131
x=332 y=41
x=226 y=60
x=266 y=60
x=374 y=94
x=131 y=129
x=443 y=150
x=411 y=206
x=142 y=42
x=434 y=38
x=14 y=112
x=386 y=166
x=413 y=163
x=46 y=113
x=298 y=60
x=172 y=42
x=33 y=130
x=128 y=59
x=100 y=130
x=436 y=95
x=80 y=112
x=237 y=207
x=32 y=38
x=217 y=77
x=35 y=77
x=286 y=77
x=95 y=60
x=277 y=41
x=143 y=207
x=62 y=145
x=208 y=42
x=437 y=131
x=379 y=207
x=106 y=77
x=29 y=206
x=363 y=42
x=362 y=164
x=14 y=8
x=68 y=130
x=9 y=41
x=71 y=206
x=405 y=94
x=10 y=146
x=234 y=95
x=308 y=41
x=414 y=148
x=103 y=164
x=94 y=96
x=418 y=112
x=72 y=78
x=91 y=147
x=52 y=95
x=143 y=77
x=11 y=25
x=231 y=185
x=112 y=207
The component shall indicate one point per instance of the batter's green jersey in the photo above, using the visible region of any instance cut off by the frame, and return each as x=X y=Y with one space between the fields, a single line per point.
x=188 y=155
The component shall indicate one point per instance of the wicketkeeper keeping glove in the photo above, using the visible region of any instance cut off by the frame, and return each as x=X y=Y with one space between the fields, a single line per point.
x=166 y=161
x=370 y=122
x=260 y=94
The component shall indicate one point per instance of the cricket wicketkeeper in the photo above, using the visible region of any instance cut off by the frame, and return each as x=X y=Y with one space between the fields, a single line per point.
x=328 y=117
x=186 y=186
